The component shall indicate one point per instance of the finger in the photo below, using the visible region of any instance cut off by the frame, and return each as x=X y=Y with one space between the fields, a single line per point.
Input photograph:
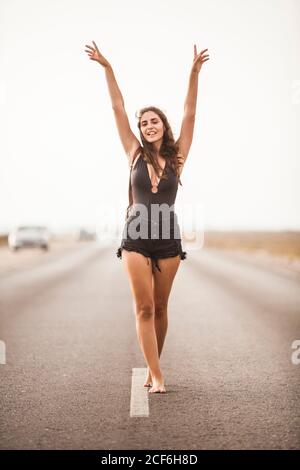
x=95 y=46
x=201 y=57
x=203 y=51
x=195 y=50
x=90 y=47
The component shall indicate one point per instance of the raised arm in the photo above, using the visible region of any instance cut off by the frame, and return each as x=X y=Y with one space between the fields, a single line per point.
x=188 y=121
x=129 y=141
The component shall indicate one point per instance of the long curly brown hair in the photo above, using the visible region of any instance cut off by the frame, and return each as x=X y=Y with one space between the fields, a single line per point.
x=169 y=148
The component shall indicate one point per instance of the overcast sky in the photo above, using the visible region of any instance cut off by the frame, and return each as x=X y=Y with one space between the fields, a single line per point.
x=62 y=162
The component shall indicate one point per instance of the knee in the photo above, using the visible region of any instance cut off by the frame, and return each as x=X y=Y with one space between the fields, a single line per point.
x=161 y=309
x=145 y=311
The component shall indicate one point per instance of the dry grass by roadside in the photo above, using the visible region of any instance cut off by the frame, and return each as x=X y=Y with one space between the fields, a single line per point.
x=285 y=243
x=3 y=240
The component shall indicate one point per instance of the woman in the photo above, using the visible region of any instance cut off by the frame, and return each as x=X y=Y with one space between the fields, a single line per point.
x=155 y=168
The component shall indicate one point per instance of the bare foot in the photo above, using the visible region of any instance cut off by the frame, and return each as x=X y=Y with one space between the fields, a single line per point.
x=148 y=382
x=158 y=387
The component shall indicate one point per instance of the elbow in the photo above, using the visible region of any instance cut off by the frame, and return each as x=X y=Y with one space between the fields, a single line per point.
x=189 y=113
x=189 y=116
x=116 y=106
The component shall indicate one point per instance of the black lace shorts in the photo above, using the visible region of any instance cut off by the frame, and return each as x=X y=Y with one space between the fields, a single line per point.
x=162 y=240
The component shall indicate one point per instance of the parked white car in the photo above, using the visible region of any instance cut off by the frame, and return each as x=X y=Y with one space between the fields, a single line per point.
x=29 y=236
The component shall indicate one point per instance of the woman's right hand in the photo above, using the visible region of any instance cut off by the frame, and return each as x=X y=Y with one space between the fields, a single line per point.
x=95 y=54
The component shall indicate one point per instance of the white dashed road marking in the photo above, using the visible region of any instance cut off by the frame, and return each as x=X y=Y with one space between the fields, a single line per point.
x=139 y=404
x=2 y=353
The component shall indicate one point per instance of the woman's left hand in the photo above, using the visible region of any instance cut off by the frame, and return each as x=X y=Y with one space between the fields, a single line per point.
x=199 y=59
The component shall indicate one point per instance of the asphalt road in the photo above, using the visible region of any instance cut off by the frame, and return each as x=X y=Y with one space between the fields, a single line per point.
x=68 y=328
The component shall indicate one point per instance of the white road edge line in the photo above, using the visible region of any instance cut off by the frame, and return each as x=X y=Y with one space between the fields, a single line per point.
x=139 y=402
x=2 y=353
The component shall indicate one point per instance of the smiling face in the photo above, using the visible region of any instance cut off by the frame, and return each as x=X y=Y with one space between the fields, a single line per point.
x=152 y=126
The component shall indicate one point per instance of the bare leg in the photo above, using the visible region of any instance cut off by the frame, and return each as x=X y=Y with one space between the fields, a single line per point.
x=139 y=270
x=161 y=327
x=161 y=290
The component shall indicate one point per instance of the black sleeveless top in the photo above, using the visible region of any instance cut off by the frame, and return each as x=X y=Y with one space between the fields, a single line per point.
x=141 y=185
x=162 y=228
